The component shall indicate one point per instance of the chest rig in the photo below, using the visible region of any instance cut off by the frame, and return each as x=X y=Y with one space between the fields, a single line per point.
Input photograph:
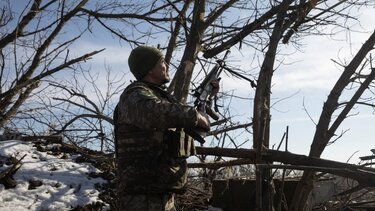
x=137 y=143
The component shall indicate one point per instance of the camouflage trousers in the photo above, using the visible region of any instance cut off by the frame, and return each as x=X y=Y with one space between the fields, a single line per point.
x=146 y=202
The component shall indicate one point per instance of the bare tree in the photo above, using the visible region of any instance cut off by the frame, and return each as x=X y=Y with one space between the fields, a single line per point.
x=90 y=117
x=190 y=28
x=32 y=49
x=328 y=123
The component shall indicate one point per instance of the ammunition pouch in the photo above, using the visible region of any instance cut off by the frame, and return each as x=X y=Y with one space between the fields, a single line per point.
x=178 y=144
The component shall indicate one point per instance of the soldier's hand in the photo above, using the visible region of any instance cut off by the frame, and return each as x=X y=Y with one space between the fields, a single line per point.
x=215 y=87
x=203 y=121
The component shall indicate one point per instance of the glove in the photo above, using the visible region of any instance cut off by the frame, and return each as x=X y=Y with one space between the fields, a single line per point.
x=203 y=121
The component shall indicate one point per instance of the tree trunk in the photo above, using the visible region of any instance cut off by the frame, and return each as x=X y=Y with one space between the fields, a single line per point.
x=261 y=118
x=193 y=46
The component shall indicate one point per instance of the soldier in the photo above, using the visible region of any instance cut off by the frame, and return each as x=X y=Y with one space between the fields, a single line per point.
x=151 y=144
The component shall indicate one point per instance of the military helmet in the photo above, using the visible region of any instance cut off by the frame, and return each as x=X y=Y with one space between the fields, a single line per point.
x=142 y=59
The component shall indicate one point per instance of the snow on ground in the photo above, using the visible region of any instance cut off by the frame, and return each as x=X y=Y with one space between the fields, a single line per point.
x=65 y=183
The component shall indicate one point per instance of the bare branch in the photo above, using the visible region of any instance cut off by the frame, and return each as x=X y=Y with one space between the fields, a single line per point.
x=24 y=21
x=83 y=116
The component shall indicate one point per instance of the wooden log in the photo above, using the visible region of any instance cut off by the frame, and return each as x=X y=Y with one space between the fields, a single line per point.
x=370 y=157
x=50 y=138
x=364 y=175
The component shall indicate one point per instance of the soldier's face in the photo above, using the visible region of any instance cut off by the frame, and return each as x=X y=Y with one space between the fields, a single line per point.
x=160 y=72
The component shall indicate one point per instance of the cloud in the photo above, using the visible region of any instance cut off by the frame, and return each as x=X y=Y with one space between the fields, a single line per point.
x=113 y=55
x=313 y=78
x=316 y=67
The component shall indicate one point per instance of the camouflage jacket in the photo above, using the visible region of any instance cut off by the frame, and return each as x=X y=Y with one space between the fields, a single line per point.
x=151 y=144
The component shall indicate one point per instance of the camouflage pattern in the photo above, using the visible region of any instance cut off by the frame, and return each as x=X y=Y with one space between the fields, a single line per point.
x=147 y=106
x=152 y=146
x=149 y=202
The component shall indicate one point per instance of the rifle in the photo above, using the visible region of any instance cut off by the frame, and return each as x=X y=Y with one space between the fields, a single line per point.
x=204 y=98
x=203 y=101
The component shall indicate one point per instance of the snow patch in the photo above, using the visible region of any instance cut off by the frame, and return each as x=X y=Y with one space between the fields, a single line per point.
x=65 y=184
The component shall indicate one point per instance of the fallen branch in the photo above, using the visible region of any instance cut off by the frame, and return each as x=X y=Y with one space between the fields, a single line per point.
x=6 y=175
x=220 y=164
x=51 y=138
x=364 y=175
